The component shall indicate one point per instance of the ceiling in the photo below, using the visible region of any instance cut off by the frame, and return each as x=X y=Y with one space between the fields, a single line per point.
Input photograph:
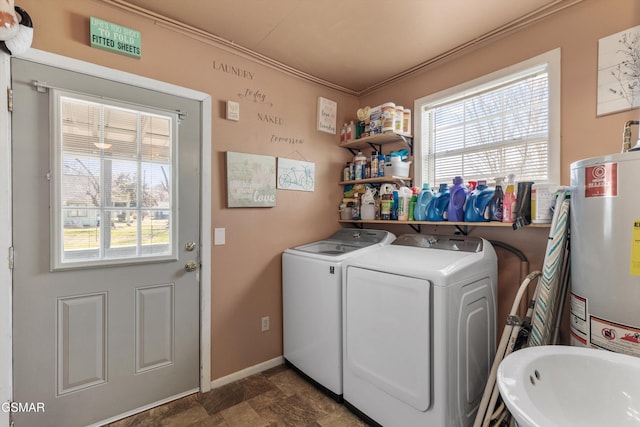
x=354 y=45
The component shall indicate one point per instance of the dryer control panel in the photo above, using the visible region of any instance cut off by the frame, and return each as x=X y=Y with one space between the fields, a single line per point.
x=435 y=241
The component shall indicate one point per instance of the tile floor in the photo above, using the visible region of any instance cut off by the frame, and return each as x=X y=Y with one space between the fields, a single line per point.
x=276 y=397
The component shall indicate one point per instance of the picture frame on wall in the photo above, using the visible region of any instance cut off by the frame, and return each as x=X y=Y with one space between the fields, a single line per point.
x=619 y=72
x=251 y=180
x=296 y=175
x=327 y=113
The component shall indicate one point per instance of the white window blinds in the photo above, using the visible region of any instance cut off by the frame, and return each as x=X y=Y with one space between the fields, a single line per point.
x=114 y=179
x=489 y=130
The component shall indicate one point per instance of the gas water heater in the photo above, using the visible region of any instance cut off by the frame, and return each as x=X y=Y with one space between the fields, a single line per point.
x=605 y=252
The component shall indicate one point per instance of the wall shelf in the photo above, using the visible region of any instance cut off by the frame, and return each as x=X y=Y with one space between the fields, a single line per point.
x=417 y=225
x=377 y=141
x=377 y=180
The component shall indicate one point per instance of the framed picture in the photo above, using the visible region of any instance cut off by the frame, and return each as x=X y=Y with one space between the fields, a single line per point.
x=296 y=175
x=251 y=180
x=327 y=112
x=619 y=72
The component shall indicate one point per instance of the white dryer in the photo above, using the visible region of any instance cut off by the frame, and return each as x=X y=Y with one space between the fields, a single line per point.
x=419 y=330
x=312 y=303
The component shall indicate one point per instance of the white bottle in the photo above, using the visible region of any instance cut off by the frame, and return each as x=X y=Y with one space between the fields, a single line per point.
x=343 y=133
x=398 y=122
x=351 y=131
x=406 y=121
x=360 y=163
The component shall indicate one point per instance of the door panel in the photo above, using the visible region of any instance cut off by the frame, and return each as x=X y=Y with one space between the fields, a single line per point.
x=81 y=342
x=92 y=343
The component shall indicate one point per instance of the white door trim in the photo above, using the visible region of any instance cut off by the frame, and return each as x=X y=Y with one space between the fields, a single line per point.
x=6 y=365
x=70 y=64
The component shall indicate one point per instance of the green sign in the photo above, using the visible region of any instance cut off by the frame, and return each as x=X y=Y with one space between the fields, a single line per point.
x=114 y=37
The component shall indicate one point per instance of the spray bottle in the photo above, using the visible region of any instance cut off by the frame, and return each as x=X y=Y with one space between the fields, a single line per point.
x=509 y=201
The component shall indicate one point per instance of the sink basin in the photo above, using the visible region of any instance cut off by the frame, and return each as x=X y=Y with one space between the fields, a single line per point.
x=564 y=386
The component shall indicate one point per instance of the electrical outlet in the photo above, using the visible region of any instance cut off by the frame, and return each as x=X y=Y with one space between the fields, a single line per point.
x=265 y=323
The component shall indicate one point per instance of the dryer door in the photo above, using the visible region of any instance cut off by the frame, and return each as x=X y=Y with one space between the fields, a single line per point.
x=387 y=333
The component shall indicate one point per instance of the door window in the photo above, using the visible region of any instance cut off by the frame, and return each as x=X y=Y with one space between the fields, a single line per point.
x=113 y=179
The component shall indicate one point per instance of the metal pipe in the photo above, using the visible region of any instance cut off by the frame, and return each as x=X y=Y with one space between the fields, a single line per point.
x=626 y=135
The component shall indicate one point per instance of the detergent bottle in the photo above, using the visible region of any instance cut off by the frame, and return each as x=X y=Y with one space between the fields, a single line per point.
x=509 y=201
x=477 y=208
x=437 y=209
x=495 y=206
x=457 y=200
x=394 y=206
x=412 y=203
x=404 y=200
x=422 y=203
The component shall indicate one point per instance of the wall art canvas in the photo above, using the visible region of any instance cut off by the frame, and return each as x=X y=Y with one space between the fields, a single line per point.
x=619 y=72
x=327 y=113
x=296 y=175
x=251 y=180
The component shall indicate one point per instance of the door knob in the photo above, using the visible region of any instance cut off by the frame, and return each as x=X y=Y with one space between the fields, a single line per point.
x=190 y=266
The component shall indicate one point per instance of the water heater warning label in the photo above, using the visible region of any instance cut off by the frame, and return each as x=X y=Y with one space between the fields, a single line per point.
x=615 y=337
x=634 y=265
x=578 y=315
x=601 y=180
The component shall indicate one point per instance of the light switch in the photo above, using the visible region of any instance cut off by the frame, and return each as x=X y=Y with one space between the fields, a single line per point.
x=233 y=111
x=218 y=236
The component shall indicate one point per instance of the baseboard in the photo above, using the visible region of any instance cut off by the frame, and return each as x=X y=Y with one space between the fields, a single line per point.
x=144 y=408
x=251 y=370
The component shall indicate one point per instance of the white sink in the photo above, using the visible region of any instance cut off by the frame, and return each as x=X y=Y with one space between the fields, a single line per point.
x=565 y=386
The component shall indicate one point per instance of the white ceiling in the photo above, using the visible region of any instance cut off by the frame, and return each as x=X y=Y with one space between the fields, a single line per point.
x=352 y=45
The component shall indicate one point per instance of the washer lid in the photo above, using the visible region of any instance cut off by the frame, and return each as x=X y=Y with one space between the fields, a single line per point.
x=362 y=237
x=434 y=241
x=345 y=241
x=328 y=247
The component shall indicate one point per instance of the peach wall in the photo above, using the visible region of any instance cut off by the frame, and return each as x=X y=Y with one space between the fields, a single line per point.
x=246 y=272
x=576 y=31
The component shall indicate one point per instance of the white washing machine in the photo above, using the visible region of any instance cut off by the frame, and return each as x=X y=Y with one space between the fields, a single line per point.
x=312 y=303
x=419 y=330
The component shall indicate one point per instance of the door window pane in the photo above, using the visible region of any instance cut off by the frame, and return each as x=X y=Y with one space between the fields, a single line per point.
x=114 y=172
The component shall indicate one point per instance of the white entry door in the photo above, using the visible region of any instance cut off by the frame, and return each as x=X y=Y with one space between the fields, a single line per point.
x=106 y=204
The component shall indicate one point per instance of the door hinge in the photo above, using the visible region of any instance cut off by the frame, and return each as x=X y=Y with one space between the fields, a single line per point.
x=10 y=99
x=10 y=257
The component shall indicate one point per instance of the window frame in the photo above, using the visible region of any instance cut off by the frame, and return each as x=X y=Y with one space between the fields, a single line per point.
x=57 y=261
x=550 y=60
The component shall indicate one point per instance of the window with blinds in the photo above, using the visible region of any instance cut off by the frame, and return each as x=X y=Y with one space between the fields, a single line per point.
x=491 y=127
x=114 y=178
